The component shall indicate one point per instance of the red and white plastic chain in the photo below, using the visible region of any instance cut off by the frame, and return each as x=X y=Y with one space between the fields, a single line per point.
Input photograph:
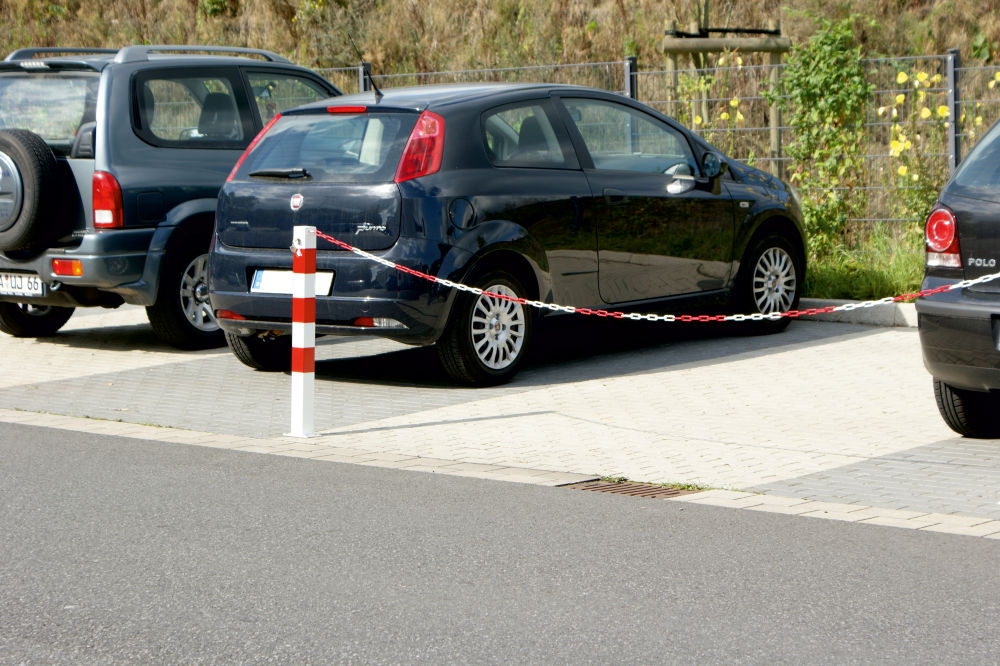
x=634 y=316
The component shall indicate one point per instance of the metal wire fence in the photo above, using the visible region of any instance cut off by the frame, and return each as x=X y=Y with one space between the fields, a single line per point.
x=924 y=113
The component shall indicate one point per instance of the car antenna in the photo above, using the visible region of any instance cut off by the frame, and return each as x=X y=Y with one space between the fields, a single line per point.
x=366 y=70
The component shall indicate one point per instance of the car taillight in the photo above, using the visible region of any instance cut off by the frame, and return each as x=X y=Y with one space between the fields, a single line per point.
x=424 y=148
x=253 y=144
x=941 y=237
x=107 y=200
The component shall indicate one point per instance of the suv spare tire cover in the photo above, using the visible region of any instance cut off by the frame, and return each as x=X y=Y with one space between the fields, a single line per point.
x=32 y=192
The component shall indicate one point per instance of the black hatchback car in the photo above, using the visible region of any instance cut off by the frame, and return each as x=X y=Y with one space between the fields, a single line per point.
x=960 y=328
x=555 y=193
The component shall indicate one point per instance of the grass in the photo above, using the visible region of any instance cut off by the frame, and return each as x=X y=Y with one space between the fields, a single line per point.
x=886 y=262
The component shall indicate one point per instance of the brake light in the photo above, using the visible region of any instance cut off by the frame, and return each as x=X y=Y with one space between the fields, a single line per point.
x=107 y=199
x=940 y=234
x=424 y=148
x=346 y=109
x=228 y=314
x=67 y=267
x=253 y=144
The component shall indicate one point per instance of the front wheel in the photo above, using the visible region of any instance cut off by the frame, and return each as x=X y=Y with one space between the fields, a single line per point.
x=969 y=413
x=489 y=334
x=182 y=315
x=770 y=281
x=23 y=320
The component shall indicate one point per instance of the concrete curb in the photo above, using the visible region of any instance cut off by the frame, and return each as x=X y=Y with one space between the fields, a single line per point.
x=893 y=314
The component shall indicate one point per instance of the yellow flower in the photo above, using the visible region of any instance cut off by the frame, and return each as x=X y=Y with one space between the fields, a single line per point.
x=943 y=111
x=697 y=120
x=900 y=98
x=734 y=102
x=902 y=78
x=922 y=77
x=996 y=77
x=739 y=116
x=881 y=110
x=936 y=78
x=979 y=121
x=921 y=96
x=902 y=170
x=914 y=178
x=739 y=61
x=894 y=148
x=724 y=115
x=722 y=61
x=925 y=113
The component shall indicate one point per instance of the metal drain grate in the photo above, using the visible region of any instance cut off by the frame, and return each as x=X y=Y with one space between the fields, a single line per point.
x=632 y=489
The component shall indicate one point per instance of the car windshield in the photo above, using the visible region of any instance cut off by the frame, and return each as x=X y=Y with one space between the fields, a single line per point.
x=333 y=147
x=52 y=106
x=979 y=174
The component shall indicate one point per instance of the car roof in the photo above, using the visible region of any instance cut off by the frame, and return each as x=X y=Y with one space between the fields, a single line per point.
x=97 y=58
x=418 y=98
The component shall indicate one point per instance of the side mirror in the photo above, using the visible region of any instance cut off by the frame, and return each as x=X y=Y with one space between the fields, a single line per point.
x=712 y=165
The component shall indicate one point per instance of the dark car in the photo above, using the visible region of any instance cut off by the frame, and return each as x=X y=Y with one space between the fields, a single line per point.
x=960 y=328
x=110 y=165
x=554 y=193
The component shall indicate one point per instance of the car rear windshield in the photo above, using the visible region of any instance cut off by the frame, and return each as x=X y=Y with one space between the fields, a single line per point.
x=332 y=147
x=979 y=174
x=52 y=106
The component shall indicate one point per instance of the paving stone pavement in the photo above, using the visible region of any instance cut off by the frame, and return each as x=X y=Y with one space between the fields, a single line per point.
x=828 y=420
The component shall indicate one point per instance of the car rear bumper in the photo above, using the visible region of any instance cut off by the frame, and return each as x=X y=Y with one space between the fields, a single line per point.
x=107 y=261
x=960 y=337
x=361 y=289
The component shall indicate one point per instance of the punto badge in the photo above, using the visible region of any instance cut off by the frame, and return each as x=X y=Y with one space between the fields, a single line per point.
x=296 y=201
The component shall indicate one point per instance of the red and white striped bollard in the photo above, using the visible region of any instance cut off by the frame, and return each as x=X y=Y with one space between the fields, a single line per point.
x=303 y=330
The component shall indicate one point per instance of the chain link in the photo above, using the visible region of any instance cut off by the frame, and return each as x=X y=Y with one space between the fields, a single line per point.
x=634 y=316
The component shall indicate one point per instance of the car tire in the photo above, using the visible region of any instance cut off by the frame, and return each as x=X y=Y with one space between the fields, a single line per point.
x=32 y=321
x=969 y=413
x=33 y=213
x=770 y=280
x=487 y=337
x=270 y=354
x=182 y=315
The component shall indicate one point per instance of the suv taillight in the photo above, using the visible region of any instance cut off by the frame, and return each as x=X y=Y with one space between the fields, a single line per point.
x=941 y=237
x=107 y=199
x=422 y=155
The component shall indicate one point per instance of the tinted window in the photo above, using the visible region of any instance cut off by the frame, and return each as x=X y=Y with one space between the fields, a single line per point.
x=522 y=135
x=181 y=110
x=620 y=138
x=979 y=174
x=362 y=147
x=52 y=106
x=275 y=93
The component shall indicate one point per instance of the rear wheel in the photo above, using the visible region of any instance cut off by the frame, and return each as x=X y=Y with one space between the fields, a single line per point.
x=770 y=280
x=487 y=337
x=268 y=353
x=182 y=315
x=23 y=320
x=969 y=413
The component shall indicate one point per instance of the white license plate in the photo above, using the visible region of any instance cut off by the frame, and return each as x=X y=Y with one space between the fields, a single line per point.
x=21 y=284
x=280 y=282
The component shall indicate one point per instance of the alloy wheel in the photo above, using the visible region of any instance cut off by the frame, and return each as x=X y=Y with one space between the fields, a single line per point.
x=498 y=328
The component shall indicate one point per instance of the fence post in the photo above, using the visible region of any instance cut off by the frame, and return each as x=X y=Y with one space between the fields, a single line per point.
x=952 y=61
x=364 y=72
x=631 y=78
x=303 y=330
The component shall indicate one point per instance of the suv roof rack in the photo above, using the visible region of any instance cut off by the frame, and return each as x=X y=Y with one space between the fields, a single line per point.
x=28 y=54
x=140 y=53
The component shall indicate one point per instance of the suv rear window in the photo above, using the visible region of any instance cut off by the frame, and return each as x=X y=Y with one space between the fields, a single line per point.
x=52 y=106
x=332 y=148
x=979 y=174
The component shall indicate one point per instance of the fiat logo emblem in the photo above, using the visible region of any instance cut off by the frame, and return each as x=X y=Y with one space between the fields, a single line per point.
x=296 y=201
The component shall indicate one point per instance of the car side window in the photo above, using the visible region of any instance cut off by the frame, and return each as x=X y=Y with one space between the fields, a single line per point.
x=275 y=93
x=522 y=135
x=620 y=138
x=181 y=110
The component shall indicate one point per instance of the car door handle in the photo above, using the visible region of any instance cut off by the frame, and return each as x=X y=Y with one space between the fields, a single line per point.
x=613 y=196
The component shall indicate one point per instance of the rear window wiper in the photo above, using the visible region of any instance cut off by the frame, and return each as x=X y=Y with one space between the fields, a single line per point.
x=292 y=172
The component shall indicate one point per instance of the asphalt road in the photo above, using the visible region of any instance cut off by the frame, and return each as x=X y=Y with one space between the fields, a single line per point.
x=116 y=550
